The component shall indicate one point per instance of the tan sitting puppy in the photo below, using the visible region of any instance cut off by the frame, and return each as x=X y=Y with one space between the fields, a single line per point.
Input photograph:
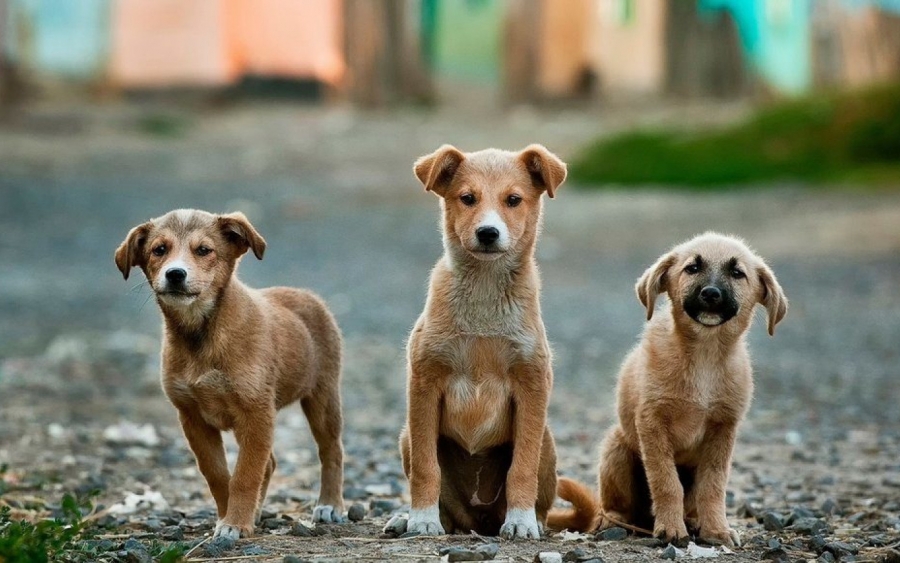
x=476 y=447
x=232 y=356
x=682 y=393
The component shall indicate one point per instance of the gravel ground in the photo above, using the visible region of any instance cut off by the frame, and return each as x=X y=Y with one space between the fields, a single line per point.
x=817 y=467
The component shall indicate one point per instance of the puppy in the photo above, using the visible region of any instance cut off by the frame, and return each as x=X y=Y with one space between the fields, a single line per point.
x=682 y=393
x=476 y=447
x=232 y=356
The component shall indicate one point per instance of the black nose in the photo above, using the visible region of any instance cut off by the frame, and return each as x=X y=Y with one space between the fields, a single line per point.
x=176 y=275
x=487 y=235
x=711 y=295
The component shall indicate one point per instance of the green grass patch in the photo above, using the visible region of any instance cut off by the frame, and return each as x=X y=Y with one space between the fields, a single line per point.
x=838 y=138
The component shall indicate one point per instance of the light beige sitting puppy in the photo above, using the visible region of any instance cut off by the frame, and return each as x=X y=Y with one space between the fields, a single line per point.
x=682 y=393
x=476 y=446
x=233 y=356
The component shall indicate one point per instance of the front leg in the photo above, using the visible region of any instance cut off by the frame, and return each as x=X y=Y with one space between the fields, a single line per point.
x=209 y=451
x=254 y=434
x=530 y=397
x=423 y=426
x=666 y=491
x=710 y=482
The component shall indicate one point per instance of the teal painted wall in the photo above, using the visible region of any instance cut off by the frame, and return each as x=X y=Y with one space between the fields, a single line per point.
x=775 y=35
x=68 y=38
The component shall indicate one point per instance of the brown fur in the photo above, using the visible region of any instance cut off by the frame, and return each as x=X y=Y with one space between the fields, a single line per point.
x=233 y=356
x=476 y=438
x=682 y=393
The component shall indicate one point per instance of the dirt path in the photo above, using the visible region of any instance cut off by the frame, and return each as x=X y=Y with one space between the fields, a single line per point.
x=333 y=194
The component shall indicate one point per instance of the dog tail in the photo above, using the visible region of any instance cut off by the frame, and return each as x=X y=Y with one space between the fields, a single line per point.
x=583 y=515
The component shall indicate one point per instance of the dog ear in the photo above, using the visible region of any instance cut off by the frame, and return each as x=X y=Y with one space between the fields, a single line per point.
x=436 y=170
x=653 y=282
x=238 y=230
x=772 y=297
x=547 y=171
x=130 y=252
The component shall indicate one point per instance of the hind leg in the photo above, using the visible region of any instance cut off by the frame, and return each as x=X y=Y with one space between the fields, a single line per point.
x=546 y=478
x=323 y=410
x=616 y=480
x=270 y=469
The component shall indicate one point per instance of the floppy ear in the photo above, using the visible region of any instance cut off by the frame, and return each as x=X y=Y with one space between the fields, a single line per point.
x=238 y=230
x=130 y=252
x=772 y=298
x=547 y=171
x=437 y=169
x=654 y=281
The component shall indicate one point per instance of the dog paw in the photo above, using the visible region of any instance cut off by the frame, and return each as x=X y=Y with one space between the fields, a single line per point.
x=231 y=531
x=727 y=537
x=327 y=514
x=425 y=521
x=520 y=524
x=674 y=532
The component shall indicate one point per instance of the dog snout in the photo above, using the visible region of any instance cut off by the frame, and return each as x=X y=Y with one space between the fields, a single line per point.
x=711 y=295
x=487 y=235
x=176 y=275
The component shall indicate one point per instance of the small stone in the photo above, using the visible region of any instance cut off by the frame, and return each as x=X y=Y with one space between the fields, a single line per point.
x=779 y=555
x=670 y=552
x=253 y=550
x=817 y=543
x=746 y=510
x=648 y=542
x=548 y=557
x=300 y=530
x=356 y=512
x=889 y=556
x=800 y=496
x=219 y=545
x=385 y=505
x=772 y=522
x=576 y=554
x=729 y=499
x=612 y=534
x=774 y=543
x=829 y=506
x=135 y=552
x=293 y=559
x=797 y=513
x=826 y=557
x=266 y=514
x=483 y=552
x=396 y=526
x=172 y=533
x=808 y=526
x=274 y=523
x=356 y=493
x=841 y=549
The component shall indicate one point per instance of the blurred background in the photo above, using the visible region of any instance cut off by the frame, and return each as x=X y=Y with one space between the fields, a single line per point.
x=775 y=120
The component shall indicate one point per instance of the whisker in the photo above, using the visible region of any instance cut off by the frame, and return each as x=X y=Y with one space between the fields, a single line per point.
x=145 y=301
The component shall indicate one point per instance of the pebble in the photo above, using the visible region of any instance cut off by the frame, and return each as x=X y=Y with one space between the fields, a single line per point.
x=356 y=493
x=396 y=526
x=483 y=552
x=774 y=543
x=808 y=526
x=779 y=555
x=746 y=510
x=670 y=552
x=356 y=512
x=800 y=496
x=548 y=557
x=829 y=506
x=772 y=522
x=274 y=523
x=612 y=534
x=172 y=533
x=826 y=557
x=293 y=559
x=385 y=505
x=578 y=555
x=841 y=549
x=300 y=530
x=219 y=545
x=817 y=543
x=135 y=552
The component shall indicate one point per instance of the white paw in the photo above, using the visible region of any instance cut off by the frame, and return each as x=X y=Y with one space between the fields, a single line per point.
x=520 y=524
x=328 y=514
x=227 y=530
x=425 y=521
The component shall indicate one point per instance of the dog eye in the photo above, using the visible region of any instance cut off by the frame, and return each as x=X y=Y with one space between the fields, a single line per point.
x=159 y=250
x=692 y=268
x=203 y=250
x=737 y=274
x=513 y=200
x=467 y=199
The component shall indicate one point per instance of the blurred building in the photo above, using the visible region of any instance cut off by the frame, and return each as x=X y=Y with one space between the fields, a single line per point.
x=377 y=52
